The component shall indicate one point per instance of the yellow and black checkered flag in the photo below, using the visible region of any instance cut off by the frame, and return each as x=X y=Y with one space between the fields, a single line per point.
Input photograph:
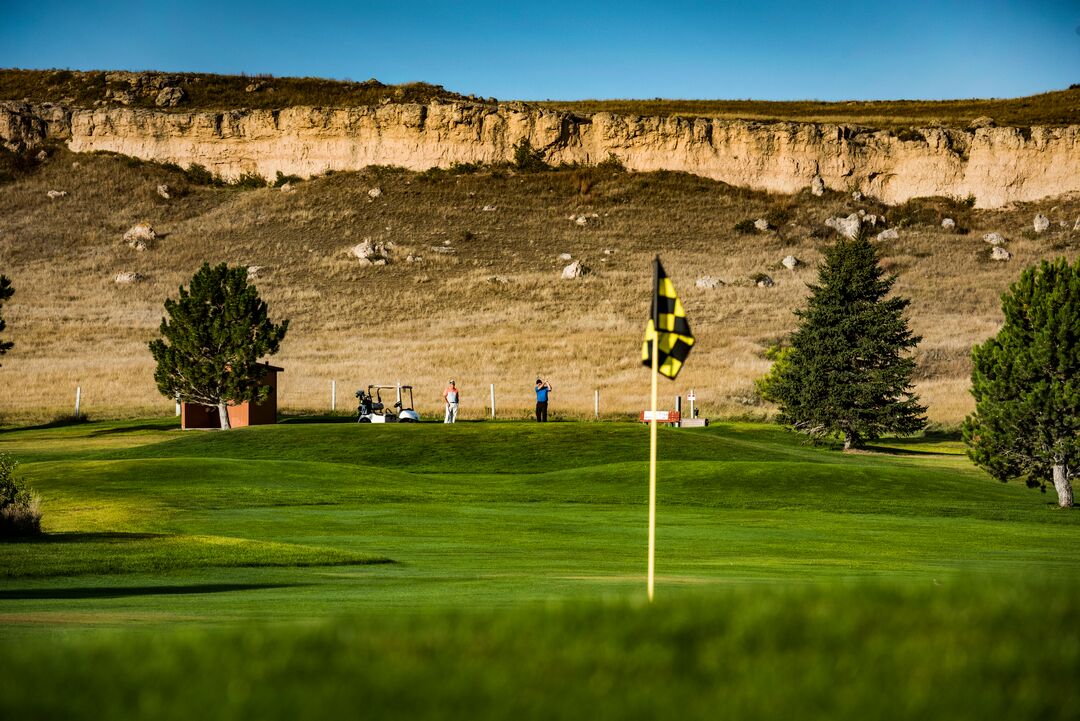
x=668 y=315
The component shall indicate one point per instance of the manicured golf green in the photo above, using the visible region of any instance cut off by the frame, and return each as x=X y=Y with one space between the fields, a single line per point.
x=496 y=570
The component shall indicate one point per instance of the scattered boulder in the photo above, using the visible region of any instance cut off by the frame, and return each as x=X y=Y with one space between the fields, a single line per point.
x=983 y=121
x=581 y=220
x=565 y=256
x=287 y=188
x=856 y=196
x=140 y=235
x=370 y=253
x=1076 y=225
x=128 y=277
x=609 y=251
x=124 y=97
x=170 y=97
x=489 y=208
x=872 y=220
x=253 y=271
x=54 y=194
x=817 y=186
x=764 y=281
x=999 y=253
x=888 y=234
x=791 y=262
x=708 y=282
x=375 y=193
x=499 y=279
x=574 y=270
x=42 y=156
x=761 y=225
x=442 y=249
x=1041 y=223
x=847 y=227
x=994 y=239
x=163 y=191
x=948 y=224
x=255 y=87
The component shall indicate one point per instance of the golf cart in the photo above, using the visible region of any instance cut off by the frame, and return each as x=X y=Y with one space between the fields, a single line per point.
x=373 y=410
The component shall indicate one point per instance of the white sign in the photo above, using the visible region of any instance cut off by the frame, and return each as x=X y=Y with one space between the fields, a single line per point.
x=661 y=416
x=691 y=396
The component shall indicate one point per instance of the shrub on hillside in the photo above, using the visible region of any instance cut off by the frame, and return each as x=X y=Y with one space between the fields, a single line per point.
x=20 y=513
x=527 y=159
x=250 y=181
x=746 y=227
x=612 y=163
x=199 y=175
x=282 y=179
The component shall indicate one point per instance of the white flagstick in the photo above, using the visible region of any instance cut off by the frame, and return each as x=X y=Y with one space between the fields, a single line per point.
x=652 y=463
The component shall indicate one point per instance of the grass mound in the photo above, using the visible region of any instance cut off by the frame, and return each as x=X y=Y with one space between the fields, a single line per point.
x=961 y=650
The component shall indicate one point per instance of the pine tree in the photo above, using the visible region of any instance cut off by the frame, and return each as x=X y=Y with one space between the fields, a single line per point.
x=213 y=338
x=847 y=373
x=6 y=291
x=1026 y=383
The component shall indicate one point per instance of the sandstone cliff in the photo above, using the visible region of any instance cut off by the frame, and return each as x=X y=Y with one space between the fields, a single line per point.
x=996 y=165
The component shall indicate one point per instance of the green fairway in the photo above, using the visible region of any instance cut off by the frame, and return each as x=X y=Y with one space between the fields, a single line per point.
x=345 y=561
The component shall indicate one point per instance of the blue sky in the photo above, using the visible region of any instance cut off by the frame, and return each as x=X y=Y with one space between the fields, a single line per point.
x=768 y=50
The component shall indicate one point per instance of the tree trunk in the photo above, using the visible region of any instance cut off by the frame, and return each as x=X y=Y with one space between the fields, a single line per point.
x=1063 y=487
x=223 y=414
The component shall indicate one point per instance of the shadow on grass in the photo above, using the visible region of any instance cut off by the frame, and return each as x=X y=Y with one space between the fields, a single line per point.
x=59 y=594
x=297 y=420
x=85 y=537
x=138 y=428
x=61 y=422
x=897 y=446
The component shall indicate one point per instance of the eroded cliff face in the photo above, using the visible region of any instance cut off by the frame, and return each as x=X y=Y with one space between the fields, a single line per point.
x=996 y=165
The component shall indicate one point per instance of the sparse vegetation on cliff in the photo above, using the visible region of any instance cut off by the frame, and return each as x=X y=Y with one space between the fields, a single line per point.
x=1060 y=107
x=204 y=91
x=228 y=92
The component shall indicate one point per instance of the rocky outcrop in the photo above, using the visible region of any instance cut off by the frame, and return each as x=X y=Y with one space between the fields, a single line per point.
x=997 y=165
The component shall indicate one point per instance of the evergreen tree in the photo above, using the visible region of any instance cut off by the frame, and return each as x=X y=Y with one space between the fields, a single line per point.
x=6 y=291
x=847 y=372
x=213 y=338
x=1026 y=383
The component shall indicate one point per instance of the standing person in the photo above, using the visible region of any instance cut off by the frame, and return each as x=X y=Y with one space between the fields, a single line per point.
x=543 y=389
x=451 y=395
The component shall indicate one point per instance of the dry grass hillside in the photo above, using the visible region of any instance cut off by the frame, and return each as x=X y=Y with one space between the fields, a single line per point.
x=1060 y=107
x=485 y=304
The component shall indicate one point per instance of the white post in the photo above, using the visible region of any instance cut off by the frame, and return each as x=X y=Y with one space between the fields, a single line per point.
x=692 y=397
x=78 y=400
x=492 y=401
x=178 y=405
x=596 y=404
x=333 y=396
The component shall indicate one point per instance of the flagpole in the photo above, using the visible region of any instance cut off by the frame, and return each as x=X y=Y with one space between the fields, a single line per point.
x=652 y=427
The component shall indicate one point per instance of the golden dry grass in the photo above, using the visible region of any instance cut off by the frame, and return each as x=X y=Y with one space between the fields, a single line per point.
x=1060 y=107
x=444 y=317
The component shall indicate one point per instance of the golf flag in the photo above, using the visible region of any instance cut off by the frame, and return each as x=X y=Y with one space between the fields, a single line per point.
x=667 y=344
x=668 y=315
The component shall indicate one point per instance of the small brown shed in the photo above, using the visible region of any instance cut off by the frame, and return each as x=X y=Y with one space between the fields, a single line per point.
x=193 y=415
